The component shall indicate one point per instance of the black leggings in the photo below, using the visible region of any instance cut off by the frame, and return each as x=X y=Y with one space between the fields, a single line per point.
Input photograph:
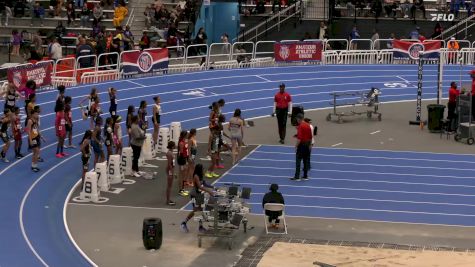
x=136 y=155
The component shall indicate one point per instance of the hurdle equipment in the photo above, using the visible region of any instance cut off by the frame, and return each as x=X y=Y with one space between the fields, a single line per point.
x=102 y=177
x=175 y=130
x=163 y=138
x=126 y=161
x=114 y=170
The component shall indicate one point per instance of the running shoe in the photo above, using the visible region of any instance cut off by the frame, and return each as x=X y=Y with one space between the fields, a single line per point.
x=171 y=203
x=184 y=227
x=18 y=157
x=215 y=175
x=5 y=160
x=295 y=179
x=35 y=169
x=59 y=156
x=64 y=154
x=136 y=174
x=305 y=178
x=220 y=166
x=183 y=193
x=208 y=175
x=40 y=159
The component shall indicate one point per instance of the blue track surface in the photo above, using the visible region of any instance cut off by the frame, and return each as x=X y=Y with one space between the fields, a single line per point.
x=365 y=184
x=32 y=229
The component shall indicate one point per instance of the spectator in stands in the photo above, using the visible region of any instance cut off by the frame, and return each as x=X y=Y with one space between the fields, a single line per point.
x=437 y=31
x=354 y=35
x=60 y=31
x=389 y=44
x=119 y=14
x=414 y=35
x=322 y=31
x=453 y=47
x=350 y=7
x=70 y=12
x=418 y=4
x=162 y=24
x=80 y=3
x=98 y=12
x=96 y=29
x=201 y=37
x=37 y=14
x=377 y=45
x=37 y=42
x=157 y=5
x=55 y=51
x=149 y=14
x=5 y=11
x=34 y=56
x=172 y=35
x=144 y=41
x=405 y=8
x=376 y=8
x=16 y=42
x=455 y=7
x=422 y=38
x=162 y=12
x=85 y=16
x=390 y=7
x=128 y=39
x=84 y=50
x=19 y=9
x=276 y=3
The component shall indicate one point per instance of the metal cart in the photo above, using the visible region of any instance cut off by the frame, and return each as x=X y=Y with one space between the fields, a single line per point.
x=368 y=99
x=224 y=213
x=465 y=127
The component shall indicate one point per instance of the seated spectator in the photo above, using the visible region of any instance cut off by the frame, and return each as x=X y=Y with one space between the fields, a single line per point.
x=60 y=31
x=37 y=14
x=149 y=14
x=19 y=9
x=376 y=8
x=128 y=39
x=437 y=31
x=5 y=12
x=70 y=12
x=85 y=16
x=405 y=8
x=391 y=8
x=144 y=41
x=418 y=4
x=273 y=197
x=119 y=14
x=162 y=12
x=162 y=23
x=98 y=12
x=158 y=5
x=455 y=7
x=79 y=3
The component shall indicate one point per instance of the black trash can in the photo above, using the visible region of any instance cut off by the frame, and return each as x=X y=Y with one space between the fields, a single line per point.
x=436 y=115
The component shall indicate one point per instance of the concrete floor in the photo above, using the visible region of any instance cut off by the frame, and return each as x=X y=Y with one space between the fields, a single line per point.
x=111 y=234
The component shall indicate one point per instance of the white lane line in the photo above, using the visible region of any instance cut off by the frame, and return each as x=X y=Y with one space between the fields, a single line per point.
x=260 y=77
x=337 y=144
x=364 y=172
x=22 y=206
x=378 y=210
x=377 y=200
x=353 y=180
x=362 y=189
x=404 y=79
x=375 y=132
x=66 y=226
x=118 y=206
x=366 y=164
x=136 y=83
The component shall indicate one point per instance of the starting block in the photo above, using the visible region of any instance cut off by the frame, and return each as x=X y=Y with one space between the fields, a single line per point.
x=175 y=130
x=126 y=161
x=163 y=138
x=102 y=178
x=90 y=191
x=147 y=147
x=114 y=170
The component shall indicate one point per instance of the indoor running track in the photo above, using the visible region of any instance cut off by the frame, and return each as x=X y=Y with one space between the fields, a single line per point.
x=370 y=185
x=32 y=205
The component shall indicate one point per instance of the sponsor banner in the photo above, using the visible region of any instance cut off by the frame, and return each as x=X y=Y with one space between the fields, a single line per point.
x=298 y=51
x=40 y=73
x=138 y=62
x=410 y=50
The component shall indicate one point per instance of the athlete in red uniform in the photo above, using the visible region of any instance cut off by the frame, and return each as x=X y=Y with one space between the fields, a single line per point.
x=16 y=128
x=60 y=125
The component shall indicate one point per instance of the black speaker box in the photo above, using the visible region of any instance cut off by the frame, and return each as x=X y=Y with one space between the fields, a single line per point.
x=152 y=233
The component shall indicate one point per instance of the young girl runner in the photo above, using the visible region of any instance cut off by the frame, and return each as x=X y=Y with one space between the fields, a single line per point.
x=182 y=160
x=117 y=136
x=213 y=123
x=113 y=102
x=34 y=137
x=60 y=124
x=6 y=121
x=193 y=151
x=170 y=171
x=69 y=120
x=128 y=120
x=157 y=110
x=91 y=98
x=10 y=96
x=108 y=128
x=95 y=111
x=60 y=98
x=236 y=129
x=31 y=105
x=17 y=131
x=199 y=186
x=85 y=147
x=214 y=151
x=142 y=114
x=29 y=89
x=96 y=142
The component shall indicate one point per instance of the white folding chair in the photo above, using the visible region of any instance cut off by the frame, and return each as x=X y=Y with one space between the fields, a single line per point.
x=275 y=207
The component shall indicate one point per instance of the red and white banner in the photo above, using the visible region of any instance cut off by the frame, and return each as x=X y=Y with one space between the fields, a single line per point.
x=150 y=60
x=298 y=51
x=40 y=73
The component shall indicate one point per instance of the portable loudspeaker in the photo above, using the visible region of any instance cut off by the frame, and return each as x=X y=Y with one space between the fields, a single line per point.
x=152 y=233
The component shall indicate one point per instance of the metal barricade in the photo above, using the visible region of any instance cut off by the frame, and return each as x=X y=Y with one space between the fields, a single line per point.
x=65 y=67
x=85 y=64
x=361 y=44
x=221 y=65
x=264 y=49
x=381 y=44
x=100 y=76
x=386 y=56
x=109 y=61
x=197 y=53
x=330 y=57
x=242 y=51
x=219 y=52
x=176 y=54
x=467 y=56
x=358 y=57
x=336 y=44
x=180 y=68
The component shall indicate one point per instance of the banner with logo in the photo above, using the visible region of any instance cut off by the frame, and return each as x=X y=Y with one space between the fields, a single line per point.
x=298 y=51
x=410 y=50
x=138 y=62
x=40 y=73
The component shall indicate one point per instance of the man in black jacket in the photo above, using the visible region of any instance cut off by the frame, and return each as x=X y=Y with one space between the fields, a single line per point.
x=273 y=197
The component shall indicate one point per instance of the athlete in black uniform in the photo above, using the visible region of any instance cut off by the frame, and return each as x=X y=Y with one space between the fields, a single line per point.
x=6 y=120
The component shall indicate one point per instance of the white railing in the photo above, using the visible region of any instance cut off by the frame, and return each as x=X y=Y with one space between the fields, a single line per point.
x=359 y=57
